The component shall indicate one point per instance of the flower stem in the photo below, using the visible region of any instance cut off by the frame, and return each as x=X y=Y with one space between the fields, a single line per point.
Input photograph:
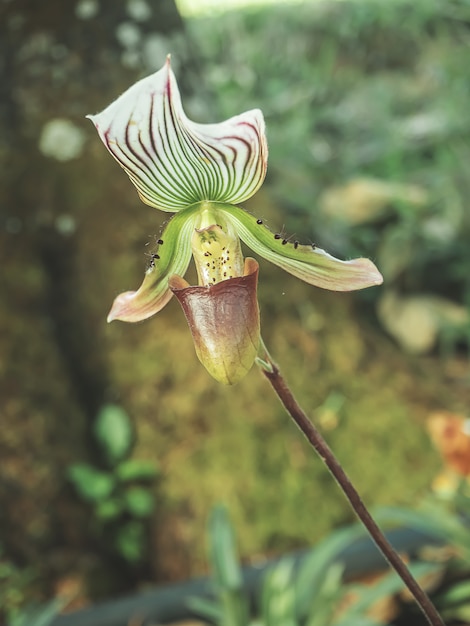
x=272 y=373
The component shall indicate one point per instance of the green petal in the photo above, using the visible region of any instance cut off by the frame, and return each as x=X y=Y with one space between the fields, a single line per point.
x=174 y=162
x=310 y=264
x=174 y=256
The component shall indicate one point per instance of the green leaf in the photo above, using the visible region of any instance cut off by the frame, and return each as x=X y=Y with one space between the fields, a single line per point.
x=135 y=469
x=367 y=596
x=278 y=597
x=311 y=577
x=91 y=484
x=205 y=608
x=226 y=568
x=458 y=594
x=6 y=569
x=109 y=509
x=223 y=552
x=38 y=616
x=434 y=519
x=130 y=540
x=362 y=620
x=328 y=596
x=139 y=501
x=113 y=430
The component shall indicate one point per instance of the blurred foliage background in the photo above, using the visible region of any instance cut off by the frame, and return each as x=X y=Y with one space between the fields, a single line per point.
x=366 y=104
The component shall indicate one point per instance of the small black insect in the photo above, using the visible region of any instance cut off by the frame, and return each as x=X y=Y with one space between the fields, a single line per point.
x=313 y=246
x=159 y=241
x=296 y=244
x=284 y=241
x=153 y=257
x=259 y=221
x=277 y=236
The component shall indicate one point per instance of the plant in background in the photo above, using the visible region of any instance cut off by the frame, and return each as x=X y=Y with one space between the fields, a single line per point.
x=15 y=610
x=311 y=594
x=14 y=581
x=446 y=519
x=32 y=616
x=199 y=172
x=121 y=495
x=445 y=513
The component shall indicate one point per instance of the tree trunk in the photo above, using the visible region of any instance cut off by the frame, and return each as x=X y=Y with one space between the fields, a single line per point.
x=63 y=221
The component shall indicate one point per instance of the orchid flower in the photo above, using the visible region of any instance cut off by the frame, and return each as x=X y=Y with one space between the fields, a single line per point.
x=201 y=172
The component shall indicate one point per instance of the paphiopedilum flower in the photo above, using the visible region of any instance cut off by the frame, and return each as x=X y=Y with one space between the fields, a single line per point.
x=200 y=172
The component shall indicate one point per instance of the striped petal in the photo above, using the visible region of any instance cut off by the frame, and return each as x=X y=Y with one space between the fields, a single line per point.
x=173 y=258
x=174 y=162
x=309 y=263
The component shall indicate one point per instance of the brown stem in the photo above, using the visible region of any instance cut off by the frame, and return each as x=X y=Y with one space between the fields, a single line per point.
x=272 y=373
